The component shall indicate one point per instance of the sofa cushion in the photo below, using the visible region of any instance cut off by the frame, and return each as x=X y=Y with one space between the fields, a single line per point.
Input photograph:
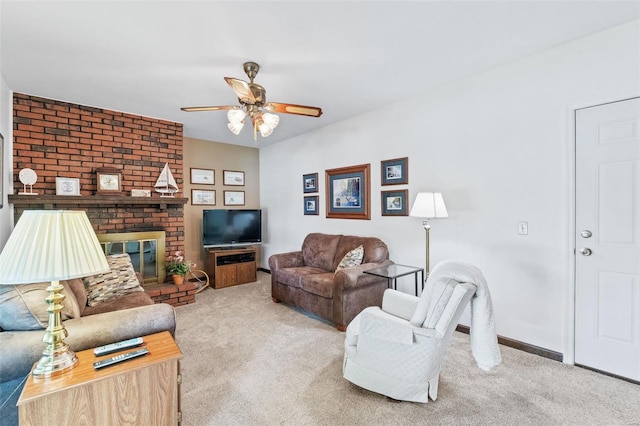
x=120 y=280
x=23 y=307
x=318 y=284
x=128 y=301
x=318 y=250
x=352 y=258
x=375 y=251
x=76 y=285
x=292 y=276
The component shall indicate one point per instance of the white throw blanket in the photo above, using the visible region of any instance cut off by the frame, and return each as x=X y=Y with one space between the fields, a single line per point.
x=484 y=341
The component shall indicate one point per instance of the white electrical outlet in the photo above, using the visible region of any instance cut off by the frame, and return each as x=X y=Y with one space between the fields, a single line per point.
x=523 y=228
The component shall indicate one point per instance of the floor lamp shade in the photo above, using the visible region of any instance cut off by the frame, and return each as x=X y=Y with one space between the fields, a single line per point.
x=52 y=245
x=428 y=205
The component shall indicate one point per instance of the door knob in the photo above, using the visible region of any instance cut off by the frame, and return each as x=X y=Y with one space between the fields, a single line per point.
x=585 y=251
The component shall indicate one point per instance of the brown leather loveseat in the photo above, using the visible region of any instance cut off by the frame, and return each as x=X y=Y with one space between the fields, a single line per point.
x=308 y=279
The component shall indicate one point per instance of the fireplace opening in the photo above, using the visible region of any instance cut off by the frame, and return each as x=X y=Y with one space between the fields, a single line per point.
x=146 y=249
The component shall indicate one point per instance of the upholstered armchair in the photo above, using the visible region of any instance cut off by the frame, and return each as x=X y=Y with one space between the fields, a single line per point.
x=398 y=350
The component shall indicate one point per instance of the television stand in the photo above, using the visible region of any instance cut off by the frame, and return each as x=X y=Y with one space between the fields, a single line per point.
x=231 y=266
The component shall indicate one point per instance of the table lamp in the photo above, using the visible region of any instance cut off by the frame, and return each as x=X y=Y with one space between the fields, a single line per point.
x=428 y=205
x=52 y=245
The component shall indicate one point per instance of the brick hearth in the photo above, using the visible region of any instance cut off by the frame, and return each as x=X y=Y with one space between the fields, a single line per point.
x=172 y=294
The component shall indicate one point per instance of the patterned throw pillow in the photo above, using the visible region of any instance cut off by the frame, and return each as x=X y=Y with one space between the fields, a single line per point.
x=352 y=258
x=120 y=280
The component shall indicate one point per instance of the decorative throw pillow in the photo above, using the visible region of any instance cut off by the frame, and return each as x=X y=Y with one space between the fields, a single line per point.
x=120 y=280
x=22 y=307
x=352 y=258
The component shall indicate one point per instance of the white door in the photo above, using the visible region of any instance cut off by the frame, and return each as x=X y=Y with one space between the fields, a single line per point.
x=607 y=334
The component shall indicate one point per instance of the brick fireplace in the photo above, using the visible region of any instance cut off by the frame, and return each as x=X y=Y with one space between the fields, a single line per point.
x=61 y=139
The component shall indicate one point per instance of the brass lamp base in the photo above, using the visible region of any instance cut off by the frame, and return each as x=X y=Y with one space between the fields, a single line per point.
x=57 y=357
x=57 y=363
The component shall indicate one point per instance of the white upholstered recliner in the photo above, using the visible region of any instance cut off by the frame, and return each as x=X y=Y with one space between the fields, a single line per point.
x=399 y=350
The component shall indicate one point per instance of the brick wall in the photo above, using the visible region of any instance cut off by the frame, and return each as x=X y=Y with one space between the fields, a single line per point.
x=61 y=139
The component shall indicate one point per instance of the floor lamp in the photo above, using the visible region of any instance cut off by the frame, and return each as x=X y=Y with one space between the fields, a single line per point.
x=428 y=205
x=52 y=245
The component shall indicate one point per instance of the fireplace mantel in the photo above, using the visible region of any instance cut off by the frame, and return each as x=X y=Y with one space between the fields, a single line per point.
x=50 y=202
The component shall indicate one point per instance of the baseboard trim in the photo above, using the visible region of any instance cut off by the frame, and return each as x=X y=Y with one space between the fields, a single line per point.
x=264 y=270
x=516 y=344
x=615 y=376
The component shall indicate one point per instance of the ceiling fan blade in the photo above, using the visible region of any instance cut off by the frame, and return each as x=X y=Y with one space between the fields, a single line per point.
x=242 y=89
x=309 y=111
x=208 y=108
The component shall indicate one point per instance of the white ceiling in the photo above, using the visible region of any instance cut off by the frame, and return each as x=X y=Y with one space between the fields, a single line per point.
x=347 y=57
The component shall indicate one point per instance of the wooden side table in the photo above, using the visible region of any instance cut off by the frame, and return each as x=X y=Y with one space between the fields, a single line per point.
x=141 y=391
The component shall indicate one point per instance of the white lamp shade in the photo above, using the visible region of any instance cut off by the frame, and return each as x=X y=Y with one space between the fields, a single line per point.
x=51 y=245
x=235 y=126
x=269 y=122
x=236 y=115
x=429 y=205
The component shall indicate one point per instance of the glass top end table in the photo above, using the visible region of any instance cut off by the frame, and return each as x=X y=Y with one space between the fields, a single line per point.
x=395 y=271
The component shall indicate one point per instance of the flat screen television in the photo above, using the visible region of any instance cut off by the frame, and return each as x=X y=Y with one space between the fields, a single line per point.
x=223 y=227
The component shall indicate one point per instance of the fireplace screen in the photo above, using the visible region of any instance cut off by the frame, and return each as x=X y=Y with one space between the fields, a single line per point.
x=146 y=249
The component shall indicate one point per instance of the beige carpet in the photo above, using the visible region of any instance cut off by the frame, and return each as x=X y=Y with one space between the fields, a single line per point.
x=249 y=361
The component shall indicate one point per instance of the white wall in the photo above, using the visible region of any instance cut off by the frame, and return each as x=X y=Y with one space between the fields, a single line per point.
x=6 y=216
x=498 y=146
x=6 y=129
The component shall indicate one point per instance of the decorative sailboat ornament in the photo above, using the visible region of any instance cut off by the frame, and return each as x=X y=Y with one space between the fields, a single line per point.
x=166 y=184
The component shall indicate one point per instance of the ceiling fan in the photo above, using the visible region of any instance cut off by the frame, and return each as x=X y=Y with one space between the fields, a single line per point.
x=253 y=103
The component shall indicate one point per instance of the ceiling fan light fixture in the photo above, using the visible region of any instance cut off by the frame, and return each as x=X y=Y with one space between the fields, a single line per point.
x=270 y=120
x=264 y=130
x=235 y=126
x=267 y=124
x=236 y=115
x=253 y=103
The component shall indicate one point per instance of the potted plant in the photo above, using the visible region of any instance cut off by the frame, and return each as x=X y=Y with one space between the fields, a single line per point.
x=178 y=268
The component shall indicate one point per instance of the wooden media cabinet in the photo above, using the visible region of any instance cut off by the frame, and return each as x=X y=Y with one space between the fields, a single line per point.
x=231 y=266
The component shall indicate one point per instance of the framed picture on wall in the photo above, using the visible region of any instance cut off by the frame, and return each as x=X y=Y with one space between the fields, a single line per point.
x=203 y=197
x=394 y=203
x=395 y=172
x=310 y=183
x=234 y=198
x=233 y=178
x=311 y=205
x=348 y=192
x=203 y=176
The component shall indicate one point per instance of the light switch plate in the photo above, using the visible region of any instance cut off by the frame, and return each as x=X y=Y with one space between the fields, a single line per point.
x=523 y=228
